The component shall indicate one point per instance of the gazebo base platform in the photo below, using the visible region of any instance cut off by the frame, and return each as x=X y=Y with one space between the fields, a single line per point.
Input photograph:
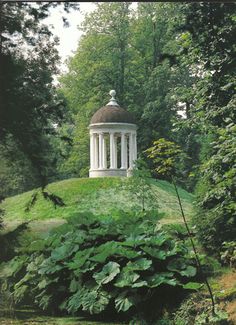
x=109 y=173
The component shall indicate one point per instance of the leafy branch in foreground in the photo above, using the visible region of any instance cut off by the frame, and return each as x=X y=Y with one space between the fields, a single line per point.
x=164 y=155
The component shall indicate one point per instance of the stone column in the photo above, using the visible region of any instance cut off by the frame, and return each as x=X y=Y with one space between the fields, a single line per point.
x=91 y=151
x=112 y=150
x=131 y=151
x=100 y=151
x=135 y=146
x=104 y=162
x=123 y=151
x=95 y=151
x=115 y=152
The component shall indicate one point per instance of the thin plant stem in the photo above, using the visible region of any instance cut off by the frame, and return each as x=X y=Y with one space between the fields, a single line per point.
x=194 y=247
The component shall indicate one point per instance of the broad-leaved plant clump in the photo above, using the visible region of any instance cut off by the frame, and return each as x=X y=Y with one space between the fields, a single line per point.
x=96 y=265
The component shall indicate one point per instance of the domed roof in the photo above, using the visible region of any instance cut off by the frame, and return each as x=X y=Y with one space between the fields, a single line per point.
x=112 y=113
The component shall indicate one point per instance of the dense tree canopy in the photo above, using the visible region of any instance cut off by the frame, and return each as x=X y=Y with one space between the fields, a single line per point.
x=30 y=108
x=134 y=52
x=212 y=29
x=163 y=59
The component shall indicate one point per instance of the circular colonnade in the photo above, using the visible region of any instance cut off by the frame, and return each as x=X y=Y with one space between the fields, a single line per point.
x=113 y=141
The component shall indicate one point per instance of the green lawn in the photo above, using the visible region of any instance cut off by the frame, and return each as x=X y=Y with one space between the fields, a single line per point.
x=37 y=320
x=97 y=195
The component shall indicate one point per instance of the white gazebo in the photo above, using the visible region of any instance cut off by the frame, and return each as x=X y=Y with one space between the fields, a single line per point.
x=113 y=145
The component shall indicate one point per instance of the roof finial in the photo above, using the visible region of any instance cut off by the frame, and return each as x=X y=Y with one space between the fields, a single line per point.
x=112 y=101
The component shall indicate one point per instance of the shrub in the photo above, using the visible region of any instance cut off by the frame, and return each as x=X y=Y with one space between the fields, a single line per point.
x=197 y=310
x=103 y=265
x=216 y=222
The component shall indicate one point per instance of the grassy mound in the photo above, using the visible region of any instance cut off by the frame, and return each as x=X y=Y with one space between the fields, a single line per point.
x=97 y=195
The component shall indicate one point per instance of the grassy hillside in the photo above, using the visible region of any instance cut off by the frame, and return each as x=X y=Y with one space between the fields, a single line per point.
x=97 y=195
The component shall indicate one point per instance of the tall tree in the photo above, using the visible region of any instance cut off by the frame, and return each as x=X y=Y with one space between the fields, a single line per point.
x=110 y=23
x=100 y=64
x=29 y=106
x=154 y=41
x=211 y=31
x=132 y=51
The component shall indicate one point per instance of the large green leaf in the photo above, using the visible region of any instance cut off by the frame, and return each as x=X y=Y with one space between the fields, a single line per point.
x=24 y=281
x=46 y=282
x=104 y=251
x=139 y=265
x=127 y=253
x=79 y=259
x=180 y=266
x=190 y=271
x=134 y=240
x=75 y=301
x=140 y=284
x=43 y=283
x=62 y=252
x=95 y=301
x=49 y=266
x=43 y=299
x=192 y=285
x=74 y=285
x=12 y=267
x=124 y=301
x=126 y=279
x=108 y=273
x=161 y=278
x=19 y=293
x=155 y=252
x=88 y=266
x=158 y=240
x=33 y=266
